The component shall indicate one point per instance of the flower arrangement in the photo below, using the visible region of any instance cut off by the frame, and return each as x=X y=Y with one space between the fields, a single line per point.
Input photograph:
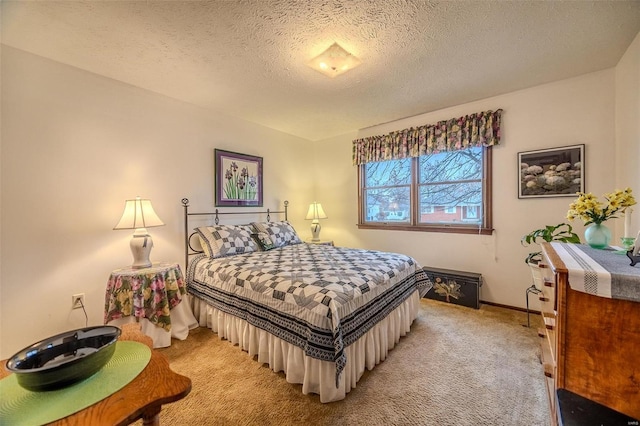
x=590 y=210
x=448 y=289
x=239 y=185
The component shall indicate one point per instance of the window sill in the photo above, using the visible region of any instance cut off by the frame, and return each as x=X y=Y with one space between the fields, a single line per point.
x=424 y=228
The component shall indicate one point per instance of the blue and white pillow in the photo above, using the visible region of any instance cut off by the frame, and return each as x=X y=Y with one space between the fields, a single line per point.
x=226 y=240
x=281 y=233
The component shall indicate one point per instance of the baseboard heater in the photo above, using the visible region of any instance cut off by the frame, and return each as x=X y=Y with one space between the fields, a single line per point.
x=457 y=287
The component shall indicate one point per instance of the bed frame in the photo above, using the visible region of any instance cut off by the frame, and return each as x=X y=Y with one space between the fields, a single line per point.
x=330 y=379
x=189 y=250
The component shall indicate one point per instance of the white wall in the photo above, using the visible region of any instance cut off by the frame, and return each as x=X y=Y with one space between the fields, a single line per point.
x=575 y=111
x=76 y=145
x=628 y=127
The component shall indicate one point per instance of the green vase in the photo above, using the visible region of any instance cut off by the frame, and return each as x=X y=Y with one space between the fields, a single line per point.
x=597 y=235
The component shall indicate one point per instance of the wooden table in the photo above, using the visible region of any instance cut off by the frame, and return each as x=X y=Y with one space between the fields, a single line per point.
x=142 y=398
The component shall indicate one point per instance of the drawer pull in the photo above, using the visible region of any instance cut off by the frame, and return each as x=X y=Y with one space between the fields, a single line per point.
x=548 y=283
x=543 y=299
x=542 y=265
x=548 y=371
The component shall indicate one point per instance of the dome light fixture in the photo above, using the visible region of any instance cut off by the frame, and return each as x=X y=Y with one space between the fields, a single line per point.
x=334 y=61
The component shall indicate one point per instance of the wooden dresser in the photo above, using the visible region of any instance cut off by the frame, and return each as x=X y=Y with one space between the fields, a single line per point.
x=590 y=344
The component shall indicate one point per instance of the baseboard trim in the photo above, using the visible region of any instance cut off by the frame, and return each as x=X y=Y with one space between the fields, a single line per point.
x=515 y=308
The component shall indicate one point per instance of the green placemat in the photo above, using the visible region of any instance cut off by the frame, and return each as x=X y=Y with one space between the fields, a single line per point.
x=19 y=406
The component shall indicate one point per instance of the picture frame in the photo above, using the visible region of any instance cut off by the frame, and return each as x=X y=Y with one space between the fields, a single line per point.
x=238 y=179
x=551 y=172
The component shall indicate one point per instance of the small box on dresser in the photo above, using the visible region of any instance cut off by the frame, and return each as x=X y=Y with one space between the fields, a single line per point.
x=457 y=287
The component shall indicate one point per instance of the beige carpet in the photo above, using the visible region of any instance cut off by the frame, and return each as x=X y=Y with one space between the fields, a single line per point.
x=458 y=366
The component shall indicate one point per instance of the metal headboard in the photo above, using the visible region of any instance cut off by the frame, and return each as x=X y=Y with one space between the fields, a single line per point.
x=190 y=251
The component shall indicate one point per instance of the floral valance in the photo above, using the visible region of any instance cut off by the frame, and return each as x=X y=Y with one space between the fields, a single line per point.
x=479 y=129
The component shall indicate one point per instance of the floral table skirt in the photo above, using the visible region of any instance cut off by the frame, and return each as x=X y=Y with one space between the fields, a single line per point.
x=145 y=293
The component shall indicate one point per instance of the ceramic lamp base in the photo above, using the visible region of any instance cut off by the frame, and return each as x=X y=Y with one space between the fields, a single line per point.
x=141 y=245
x=315 y=230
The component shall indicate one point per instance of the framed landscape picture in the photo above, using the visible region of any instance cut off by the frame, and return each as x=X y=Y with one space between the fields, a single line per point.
x=553 y=172
x=238 y=179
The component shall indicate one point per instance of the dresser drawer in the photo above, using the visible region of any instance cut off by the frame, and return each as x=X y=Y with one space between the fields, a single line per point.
x=548 y=295
x=548 y=305
x=547 y=358
x=548 y=334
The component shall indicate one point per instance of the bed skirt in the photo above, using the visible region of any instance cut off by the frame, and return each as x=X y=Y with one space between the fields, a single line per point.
x=314 y=375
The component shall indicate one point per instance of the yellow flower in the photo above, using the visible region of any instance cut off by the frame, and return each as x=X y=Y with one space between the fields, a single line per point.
x=590 y=210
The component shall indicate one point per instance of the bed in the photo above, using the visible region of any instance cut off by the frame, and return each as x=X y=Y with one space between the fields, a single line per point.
x=320 y=314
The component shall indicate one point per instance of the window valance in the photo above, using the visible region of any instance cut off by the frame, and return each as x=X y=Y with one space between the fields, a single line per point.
x=479 y=129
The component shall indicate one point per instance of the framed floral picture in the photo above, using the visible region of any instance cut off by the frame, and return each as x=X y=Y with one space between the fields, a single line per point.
x=553 y=172
x=238 y=179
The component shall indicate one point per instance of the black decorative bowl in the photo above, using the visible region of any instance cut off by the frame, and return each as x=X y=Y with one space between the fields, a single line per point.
x=64 y=359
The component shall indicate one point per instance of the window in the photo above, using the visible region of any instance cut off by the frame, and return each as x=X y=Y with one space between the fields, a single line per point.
x=471 y=212
x=443 y=192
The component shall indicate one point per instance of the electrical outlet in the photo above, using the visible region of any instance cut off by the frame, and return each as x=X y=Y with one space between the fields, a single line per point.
x=77 y=301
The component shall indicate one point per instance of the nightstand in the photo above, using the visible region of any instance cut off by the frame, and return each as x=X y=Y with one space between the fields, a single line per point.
x=151 y=296
x=321 y=242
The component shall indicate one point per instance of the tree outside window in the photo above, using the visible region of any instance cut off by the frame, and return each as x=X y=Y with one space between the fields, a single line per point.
x=443 y=192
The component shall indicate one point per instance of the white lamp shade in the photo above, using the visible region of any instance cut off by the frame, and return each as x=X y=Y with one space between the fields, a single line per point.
x=138 y=213
x=315 y=212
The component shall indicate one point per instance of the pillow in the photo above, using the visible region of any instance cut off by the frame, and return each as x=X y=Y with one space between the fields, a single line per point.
x=226 y=240
x=264 y=241
x=281 y=233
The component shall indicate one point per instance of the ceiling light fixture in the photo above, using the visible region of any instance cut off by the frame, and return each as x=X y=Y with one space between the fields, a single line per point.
x=334 y=61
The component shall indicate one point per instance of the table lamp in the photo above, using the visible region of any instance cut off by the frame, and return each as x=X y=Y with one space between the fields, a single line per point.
x=315 y=212
x=138 y=214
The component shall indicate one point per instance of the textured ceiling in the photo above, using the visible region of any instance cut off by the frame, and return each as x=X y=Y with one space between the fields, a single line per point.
x=247 y=58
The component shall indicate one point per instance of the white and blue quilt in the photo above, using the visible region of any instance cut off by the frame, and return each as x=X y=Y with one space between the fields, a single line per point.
x=318 y=297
